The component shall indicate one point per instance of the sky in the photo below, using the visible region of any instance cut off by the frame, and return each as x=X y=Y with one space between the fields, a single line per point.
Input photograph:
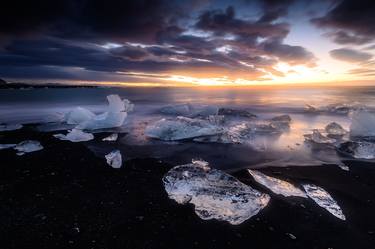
x=197 y=42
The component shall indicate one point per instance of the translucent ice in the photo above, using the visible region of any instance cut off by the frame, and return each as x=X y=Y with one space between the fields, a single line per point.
x=359 y=150
x=281 y=122
x=116 y=104
x=75 y=135
x=181 y=128
x=318 y=138
x=335 y=129
x=114 y=159
x=233 y=134
x=215 y=194
x=27 y=146
x=113 y=117
x=111 y=138
x=78 y=115
x=10 y=127
x=338 y=108
x=324 y=199
x=189 y=110
x=310 y=108
x=216 y=119
x=6 y=146
x=277 y=186
x=282 y=118
x=236 y=112
x=363 y=124
x=103 y=121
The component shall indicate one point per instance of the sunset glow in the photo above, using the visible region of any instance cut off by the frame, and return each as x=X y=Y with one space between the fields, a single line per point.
x=210 y=43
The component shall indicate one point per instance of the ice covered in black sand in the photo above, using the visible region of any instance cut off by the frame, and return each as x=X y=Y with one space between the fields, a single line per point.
x=28 y=146
x=75 y=135
x=114 y=159
x=215 y=194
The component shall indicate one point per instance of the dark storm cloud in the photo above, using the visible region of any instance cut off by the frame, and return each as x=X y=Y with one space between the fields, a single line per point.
x=353 y=21
x=222 y=22
x=294 y=55
x=94 y=19
x=79 y=37
x=342 y=37
x=350 y=55
x=274 y=9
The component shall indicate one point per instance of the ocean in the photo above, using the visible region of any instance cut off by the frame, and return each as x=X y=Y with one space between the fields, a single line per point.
x=333 y=104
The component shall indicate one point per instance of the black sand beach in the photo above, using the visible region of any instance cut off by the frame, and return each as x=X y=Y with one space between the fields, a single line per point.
x=65 y=197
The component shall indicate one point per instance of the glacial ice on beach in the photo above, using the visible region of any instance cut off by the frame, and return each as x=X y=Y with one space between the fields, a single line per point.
x=113 y=117
x=10 y=127
x=189 y=110
x=181 y=128
x=324 y=199
x=363 y=124
x=28 y=146
x=246 y=132
x=236 y=113
x=104 y=121
x=111 y=138
x=338 y=108
x=358 y=149
x=335 y=129
x=281 y=122
x=233 y=134
x=319 y=138
x=75 y=135
x=78 y=115
x=6 y=146
x=215 y=194
x=277 y=186
x=114 y=159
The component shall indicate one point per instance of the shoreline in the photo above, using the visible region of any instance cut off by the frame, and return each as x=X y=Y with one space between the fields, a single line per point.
x=64 y=196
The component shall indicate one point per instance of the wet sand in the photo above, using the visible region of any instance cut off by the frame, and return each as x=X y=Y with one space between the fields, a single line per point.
x=66 y=197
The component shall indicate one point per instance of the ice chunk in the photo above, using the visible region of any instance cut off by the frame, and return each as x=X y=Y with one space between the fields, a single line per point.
x=264 y=128
x=215 y=194
x=216 y=119
x=75 y=135
x=6 y=146
x=181 y=128
x=324 y=199
x=281 y=122
x=116 y=104
x=10 y=127
x=337 y=108
x=363 y=124
x=340 y=108
x=234 y=134
x=78 y=115
x=189 y=110
x=113 y=137
x=277 y=186
x=335 y=129
x=318 y=138
x=243 y=132
x=104 y=121
x=310 y=108
x=282 y=118
x=359 y=150
x=236 y=112
x=114 y=117
x=114 y=159
x=28 y=146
